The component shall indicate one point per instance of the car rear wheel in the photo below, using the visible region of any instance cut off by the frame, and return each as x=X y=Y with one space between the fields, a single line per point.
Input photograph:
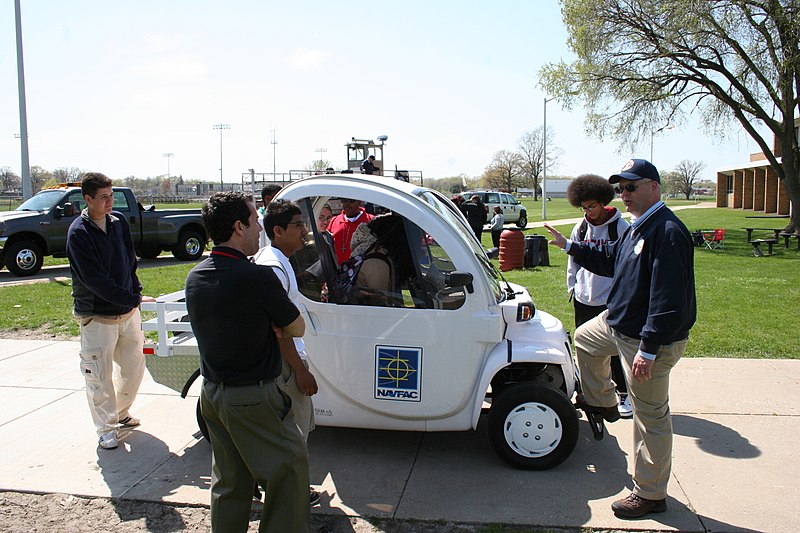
x=532 y=427
x=24 y=258
x=190 y=246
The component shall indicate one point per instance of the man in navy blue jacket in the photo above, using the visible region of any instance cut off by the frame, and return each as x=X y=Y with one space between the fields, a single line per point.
x=107 y=294
x=651 y=308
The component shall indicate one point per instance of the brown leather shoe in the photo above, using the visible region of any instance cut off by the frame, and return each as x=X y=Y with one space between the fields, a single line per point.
x=635 y=506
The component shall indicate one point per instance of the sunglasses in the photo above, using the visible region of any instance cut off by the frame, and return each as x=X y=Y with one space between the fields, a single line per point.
x=629 y=187
x=298 y=223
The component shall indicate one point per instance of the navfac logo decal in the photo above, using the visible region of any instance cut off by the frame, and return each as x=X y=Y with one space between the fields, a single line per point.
x=398 y=373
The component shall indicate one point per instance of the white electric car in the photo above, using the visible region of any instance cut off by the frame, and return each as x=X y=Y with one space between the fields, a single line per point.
x=456 y=340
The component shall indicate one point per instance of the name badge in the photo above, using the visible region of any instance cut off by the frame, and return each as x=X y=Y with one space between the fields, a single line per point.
x=637 y=248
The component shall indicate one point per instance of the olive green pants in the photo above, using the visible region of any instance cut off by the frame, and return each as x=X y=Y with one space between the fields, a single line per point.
x=254 y=438
x=595 y=342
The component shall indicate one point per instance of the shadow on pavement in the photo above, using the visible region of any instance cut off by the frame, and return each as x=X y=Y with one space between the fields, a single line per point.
x=714 y=438
x=137 y=447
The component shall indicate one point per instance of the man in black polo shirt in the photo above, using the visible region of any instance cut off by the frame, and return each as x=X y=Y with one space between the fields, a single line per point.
x=254 y=438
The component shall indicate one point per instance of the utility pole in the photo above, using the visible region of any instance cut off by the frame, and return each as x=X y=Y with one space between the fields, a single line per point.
x=221 y=127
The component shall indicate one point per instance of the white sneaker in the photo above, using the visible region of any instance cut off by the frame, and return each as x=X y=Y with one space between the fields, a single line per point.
x=625 y=408
x=108 y=441
x=129 y=422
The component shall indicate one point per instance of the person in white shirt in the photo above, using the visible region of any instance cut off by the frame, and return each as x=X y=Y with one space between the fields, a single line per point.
x=267 y=194
x=589 y=292
x=286 y=231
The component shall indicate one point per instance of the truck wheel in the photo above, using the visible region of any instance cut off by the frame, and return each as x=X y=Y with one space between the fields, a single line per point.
x=532 y=427
x=24 y=258
x=190 y=246
x=149 y=252
x=201 y=422
x=523 y=220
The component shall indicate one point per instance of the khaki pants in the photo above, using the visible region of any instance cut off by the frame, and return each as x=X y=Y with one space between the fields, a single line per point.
x=254 y=439
x=595 y=342
x=302 y=406
x=112 y=363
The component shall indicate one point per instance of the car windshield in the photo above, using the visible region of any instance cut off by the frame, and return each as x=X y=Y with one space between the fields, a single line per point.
x=44 y=201
x=456 y=221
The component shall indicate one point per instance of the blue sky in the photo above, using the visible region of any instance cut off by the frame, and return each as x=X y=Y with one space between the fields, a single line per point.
x=113 y=85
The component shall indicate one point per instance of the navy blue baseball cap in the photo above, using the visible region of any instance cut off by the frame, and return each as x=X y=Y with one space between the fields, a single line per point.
x=636 y=169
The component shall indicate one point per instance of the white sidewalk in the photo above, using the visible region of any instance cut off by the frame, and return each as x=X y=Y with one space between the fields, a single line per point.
x=735 y=467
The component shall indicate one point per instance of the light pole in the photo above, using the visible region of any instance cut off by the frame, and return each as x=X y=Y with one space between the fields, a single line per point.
x=320 y=151
x=27 y=188
x=221 y=127
x=653 y=132
x=273 y=142
x=544 y=160
x=168 y=155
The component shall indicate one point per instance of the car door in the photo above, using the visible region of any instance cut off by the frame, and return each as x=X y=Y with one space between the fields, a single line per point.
x=398 y=367
x=59 y=225
x=510 y=212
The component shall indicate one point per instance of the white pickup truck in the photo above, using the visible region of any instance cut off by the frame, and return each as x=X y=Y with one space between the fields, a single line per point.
x=463 y=338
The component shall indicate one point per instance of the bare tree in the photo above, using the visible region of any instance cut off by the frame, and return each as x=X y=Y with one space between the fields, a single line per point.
x=71 y=174
x=685 y=177
x=9 y=181
x=504 y=172
x=530 y=148
x=643 y=63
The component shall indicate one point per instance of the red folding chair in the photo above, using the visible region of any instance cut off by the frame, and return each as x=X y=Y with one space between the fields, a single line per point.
x=715 y=240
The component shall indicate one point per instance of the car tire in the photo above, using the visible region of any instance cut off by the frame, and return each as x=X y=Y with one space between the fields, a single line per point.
x=201 y=422
x=24 y=258
x=523 y=220
x=149 y=252
x=190 y=246
x=532 y=427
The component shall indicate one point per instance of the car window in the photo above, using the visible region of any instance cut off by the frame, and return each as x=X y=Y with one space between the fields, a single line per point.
x=493 y=198
x=121 y=202
x=76 y=199
x=410 y=273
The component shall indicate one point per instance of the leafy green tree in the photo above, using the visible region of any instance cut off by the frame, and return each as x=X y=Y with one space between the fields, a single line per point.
x=645 y=63
x=319 y=165
x=38 y=177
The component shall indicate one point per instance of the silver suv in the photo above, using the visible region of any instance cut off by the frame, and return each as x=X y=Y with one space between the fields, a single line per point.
x=513 y=211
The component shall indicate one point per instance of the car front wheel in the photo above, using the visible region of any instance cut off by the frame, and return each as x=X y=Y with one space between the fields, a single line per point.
x=24 y=258
x=532 y=427
x=523 y=220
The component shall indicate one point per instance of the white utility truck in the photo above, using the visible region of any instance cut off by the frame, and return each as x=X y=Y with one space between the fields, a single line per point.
x=457 y=340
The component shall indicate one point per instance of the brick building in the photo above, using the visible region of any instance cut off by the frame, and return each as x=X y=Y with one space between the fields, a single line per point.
x=754 y=186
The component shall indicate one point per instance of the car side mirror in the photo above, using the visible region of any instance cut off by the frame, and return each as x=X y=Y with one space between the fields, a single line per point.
x=58 y=212
x=459 y=279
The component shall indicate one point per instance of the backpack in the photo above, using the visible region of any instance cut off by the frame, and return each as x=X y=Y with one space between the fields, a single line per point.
x=613 y=234
x=344 y=283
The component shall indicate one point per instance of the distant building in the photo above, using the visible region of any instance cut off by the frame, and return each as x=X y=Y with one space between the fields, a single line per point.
x=556 y=188
x=754 y=185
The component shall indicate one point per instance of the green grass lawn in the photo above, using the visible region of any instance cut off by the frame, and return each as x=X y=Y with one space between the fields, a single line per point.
x=746 y=304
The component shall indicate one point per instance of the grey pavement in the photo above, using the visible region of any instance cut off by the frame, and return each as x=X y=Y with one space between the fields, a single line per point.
x=735 y=462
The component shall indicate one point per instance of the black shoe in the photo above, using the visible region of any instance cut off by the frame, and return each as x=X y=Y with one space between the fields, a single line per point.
x=609 y=414
x=635 y=506
x=313 y=497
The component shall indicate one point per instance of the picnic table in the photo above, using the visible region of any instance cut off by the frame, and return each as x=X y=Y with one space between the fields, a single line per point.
x=756 y=243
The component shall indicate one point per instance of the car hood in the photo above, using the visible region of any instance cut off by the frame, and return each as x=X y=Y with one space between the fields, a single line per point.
x=5 y=216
